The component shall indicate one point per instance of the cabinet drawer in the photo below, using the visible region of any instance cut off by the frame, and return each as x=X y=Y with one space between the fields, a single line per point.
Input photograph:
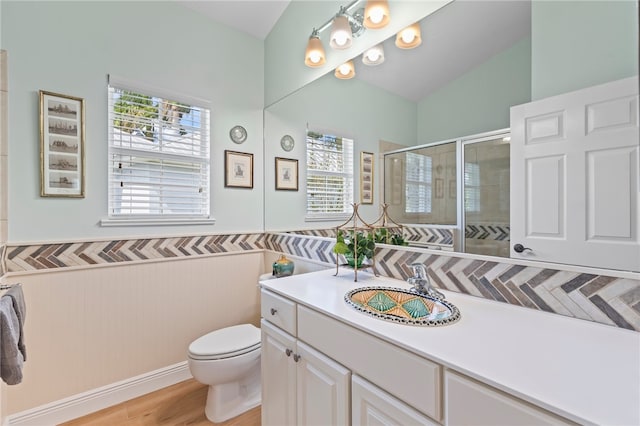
x=278 y=311
x=405 y=375
x=472 y=403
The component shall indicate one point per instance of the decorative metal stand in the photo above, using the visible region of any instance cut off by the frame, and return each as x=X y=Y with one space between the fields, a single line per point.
x=389 y=225
x=356 y=225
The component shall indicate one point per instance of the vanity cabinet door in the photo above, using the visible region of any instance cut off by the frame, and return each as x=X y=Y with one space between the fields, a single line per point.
x=471 y=403
x=371 y=406
x=323 y=389
x=278 y=377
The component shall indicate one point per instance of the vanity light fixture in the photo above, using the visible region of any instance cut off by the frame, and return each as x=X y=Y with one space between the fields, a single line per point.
x=409 y=37
x=341 y=36
x=314 y=55
x=346 y=71
x=374 y=55
x=376 y=14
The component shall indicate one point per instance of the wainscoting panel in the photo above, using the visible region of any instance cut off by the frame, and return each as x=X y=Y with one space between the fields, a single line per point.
x=91 y=327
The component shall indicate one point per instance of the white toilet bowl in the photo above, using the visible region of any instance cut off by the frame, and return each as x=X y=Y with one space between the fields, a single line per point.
x=228 y=360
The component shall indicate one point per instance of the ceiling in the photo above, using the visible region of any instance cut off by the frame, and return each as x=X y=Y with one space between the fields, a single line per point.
x=456 y=38
x=254 y=17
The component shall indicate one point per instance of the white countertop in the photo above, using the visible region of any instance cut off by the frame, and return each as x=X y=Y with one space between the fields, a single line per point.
x=584 y=371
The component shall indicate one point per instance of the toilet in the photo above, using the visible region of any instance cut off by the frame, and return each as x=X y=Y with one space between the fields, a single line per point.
x=228 y=360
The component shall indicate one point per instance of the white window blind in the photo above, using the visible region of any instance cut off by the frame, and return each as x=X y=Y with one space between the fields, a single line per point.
x=158 y=156
x=418 y=188
x=471 y=187
x=329 y=175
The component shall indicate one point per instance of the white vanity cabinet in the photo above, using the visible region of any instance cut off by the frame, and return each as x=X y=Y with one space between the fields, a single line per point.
x=300 y=386
x=356 y=370
x=371 y=406
x=471 y=403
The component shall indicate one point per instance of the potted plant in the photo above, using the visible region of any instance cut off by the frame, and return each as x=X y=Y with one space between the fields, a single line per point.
x=355 y=246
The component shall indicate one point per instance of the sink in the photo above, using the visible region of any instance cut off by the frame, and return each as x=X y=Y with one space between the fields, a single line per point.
x=402 y=306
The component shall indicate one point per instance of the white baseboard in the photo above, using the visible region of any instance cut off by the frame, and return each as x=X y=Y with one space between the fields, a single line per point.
x=96 y=399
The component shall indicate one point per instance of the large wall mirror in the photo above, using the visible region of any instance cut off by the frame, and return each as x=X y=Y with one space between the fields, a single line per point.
x=477 y=59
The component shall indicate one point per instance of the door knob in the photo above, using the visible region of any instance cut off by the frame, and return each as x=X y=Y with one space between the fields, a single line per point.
x=519 y=248
x=288 y=352
x=273 y=311
x=296 y=357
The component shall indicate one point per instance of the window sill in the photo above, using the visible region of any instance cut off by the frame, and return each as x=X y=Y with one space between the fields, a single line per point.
x=108 y=222
x=327 y=217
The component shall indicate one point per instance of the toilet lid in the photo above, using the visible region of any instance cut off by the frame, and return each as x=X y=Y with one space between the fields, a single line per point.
x=226 y=342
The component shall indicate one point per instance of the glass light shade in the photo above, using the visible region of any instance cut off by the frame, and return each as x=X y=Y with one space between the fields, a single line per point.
x=410 y=37
x=374 y=55
x=341 y=37
x=314 y=56
x=346 y=71
x=376 y=14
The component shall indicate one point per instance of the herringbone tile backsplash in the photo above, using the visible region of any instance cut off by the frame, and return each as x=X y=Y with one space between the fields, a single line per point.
x=600 y=298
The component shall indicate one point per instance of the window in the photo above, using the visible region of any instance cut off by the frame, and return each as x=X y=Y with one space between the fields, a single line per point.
x=418 y=188
x=329 y=176
x=472 y=187
x=158 y=155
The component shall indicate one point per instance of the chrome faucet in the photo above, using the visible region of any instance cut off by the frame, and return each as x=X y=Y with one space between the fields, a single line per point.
x=420 y=282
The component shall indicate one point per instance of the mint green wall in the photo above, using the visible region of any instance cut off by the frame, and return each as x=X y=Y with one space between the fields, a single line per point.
x=351 y=109
x=577 y=44
x=70 y=48
x=479 y=100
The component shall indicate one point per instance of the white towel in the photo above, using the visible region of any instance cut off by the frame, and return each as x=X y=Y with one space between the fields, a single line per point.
x=11 y=359
x=17 y=296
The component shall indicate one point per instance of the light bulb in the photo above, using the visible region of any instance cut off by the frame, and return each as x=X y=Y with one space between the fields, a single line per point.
x=408 y=36
x=344 y=69
x=376 y=15
x=373 y=55
x=315 y=57
x=340 y=38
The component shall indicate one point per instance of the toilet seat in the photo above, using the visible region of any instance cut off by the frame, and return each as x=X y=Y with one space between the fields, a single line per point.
x=226 y=343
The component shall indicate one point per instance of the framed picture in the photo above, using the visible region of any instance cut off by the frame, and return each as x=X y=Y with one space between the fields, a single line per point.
x=366 y=177
x=61 y=145
x=286 y=174
x=238 y=169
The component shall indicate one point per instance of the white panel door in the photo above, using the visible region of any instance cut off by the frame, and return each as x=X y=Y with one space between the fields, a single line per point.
x=278 y=377
x=323 y=389
x=371 y=406
x=574 y=177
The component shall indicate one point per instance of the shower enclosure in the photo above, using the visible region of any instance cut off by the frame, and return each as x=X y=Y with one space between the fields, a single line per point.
x=459 y=185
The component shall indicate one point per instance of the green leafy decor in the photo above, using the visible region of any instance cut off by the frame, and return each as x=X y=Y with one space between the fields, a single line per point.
x=352 y=242
x=384 y=236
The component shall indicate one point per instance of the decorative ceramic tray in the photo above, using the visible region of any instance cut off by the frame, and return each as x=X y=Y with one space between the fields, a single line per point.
x=402 y=306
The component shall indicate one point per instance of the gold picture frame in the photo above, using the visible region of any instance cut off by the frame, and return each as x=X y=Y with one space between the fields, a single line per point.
x=62 y=172
x=366 y=177
x=238 y=169
x=286 y=174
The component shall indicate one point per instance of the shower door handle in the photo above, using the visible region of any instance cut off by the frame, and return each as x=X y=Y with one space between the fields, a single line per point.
x=519 y=248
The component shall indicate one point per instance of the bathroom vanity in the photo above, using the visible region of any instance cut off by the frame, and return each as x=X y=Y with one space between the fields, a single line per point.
x=323 y=362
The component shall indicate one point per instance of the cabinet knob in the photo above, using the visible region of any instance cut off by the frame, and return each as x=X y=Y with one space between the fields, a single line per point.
x=288 y=352
x=296 y=357
x=273 y=311
x=519 y=248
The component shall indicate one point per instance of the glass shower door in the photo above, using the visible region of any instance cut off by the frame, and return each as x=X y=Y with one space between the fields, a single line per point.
x=486 y=197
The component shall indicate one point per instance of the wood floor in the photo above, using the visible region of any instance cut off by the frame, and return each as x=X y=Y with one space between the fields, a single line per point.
x=178 y=405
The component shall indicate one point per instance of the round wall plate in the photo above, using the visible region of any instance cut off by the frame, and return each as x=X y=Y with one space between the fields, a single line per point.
x=238 y=134
x=287 y=143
